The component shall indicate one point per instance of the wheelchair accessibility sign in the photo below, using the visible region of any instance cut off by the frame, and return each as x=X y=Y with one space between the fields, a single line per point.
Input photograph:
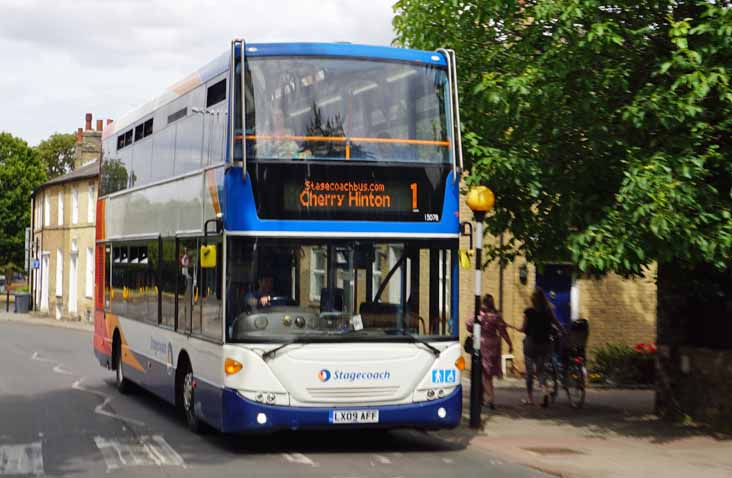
x=444 y=376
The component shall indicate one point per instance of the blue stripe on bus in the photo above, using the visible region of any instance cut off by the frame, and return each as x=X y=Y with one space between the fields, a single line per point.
x=240 y=414
x=345 y=49
x=242 y=215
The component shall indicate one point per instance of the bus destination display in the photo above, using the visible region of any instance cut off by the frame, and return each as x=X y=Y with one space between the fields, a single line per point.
x=376 y=194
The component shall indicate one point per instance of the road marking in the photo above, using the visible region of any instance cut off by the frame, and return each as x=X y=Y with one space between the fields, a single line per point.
x=26 y=459
x=382 y=459
x=99 y=409
x=38 y=358
x=59 y=369
x=449 y=461
x=299 y=458
x=143 y=451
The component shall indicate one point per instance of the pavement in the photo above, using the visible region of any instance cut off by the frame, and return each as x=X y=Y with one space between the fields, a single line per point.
x=616 y=434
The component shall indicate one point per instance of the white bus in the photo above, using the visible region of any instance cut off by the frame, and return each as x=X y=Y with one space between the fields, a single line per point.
x=286 y=257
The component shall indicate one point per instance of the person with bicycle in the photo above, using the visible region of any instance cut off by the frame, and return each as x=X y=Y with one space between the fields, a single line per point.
x=539 y=320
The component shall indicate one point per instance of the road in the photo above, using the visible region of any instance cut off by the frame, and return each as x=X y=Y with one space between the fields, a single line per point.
x=60 y=415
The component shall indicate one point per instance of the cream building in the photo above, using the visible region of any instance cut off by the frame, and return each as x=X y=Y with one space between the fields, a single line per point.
x=63 y=217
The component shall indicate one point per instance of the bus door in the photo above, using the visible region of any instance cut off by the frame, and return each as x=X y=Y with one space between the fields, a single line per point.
x=188 y=291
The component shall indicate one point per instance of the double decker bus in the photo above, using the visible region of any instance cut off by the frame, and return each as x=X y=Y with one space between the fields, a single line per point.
x=277 y=240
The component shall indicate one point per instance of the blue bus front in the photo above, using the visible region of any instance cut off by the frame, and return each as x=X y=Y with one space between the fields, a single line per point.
x=341 y=234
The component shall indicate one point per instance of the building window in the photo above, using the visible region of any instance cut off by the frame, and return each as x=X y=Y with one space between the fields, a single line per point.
x=89 y=285
x=91 y=208
x=75 y=205
x=46 y=210
x=59 y=273
x=318 y=265
x=61 y=208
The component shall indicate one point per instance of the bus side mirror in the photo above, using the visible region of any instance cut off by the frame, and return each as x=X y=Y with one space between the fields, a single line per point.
x=208 y=257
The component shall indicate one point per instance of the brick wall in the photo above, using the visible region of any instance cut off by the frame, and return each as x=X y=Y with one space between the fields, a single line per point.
x=620 y=310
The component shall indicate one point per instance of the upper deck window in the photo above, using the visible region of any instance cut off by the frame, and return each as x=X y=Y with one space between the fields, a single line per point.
x=346 y=109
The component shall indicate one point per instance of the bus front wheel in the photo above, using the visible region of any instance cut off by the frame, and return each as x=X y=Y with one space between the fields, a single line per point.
x=188 y=399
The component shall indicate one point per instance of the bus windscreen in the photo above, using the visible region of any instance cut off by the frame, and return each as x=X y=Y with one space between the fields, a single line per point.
x=346 y=109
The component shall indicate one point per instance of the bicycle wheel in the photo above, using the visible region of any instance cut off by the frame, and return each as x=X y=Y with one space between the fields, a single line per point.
x=552 y=379
x=575 y=385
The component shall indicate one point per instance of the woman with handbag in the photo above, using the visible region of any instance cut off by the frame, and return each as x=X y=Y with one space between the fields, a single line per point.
x=492 y=330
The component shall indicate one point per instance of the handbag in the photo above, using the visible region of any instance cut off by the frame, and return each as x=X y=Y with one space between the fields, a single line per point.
x=468 y=344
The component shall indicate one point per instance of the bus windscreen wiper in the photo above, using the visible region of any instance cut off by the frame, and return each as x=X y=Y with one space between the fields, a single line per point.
x=422 y=341
x=270 y=353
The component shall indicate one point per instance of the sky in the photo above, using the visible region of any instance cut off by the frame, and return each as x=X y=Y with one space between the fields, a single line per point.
x=61 y=59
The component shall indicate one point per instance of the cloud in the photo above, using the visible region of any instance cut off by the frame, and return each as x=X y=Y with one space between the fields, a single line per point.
x=63 y=58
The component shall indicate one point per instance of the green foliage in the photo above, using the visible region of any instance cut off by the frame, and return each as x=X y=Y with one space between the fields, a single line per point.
x=621 y=364
x=603 y=130
x=21 y=171
x=57 y=152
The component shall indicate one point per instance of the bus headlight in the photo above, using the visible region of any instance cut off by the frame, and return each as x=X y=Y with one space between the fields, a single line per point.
x=428 y=394
x=266 y=398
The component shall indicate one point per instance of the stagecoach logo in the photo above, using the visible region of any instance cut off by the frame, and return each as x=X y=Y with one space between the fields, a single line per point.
x=326 y=375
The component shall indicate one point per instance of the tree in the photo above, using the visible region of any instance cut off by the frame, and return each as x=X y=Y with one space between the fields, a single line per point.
x=21 y=171
x=58 y=153
x=603 y=127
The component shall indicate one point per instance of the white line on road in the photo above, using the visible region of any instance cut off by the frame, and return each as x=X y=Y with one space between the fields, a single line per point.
x=143 y=451
x=299 y=458
x=449 y=461
x=59 y=369
x=38 y=358
x=99 y=409
x=382 y=459
x=26 y=459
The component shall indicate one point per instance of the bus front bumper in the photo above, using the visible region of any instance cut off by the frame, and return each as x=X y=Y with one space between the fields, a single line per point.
x=243 y=415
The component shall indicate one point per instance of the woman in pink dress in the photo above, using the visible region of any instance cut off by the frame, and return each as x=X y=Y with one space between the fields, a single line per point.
x=492 y=330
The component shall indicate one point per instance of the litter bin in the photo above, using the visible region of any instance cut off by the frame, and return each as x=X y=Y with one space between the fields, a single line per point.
x=22 y=302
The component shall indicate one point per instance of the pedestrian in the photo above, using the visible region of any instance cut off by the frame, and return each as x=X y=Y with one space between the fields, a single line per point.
x=539 y=319
x=492 y=330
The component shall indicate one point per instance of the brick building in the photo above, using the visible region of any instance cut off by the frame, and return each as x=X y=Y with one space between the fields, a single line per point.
x=63 y=218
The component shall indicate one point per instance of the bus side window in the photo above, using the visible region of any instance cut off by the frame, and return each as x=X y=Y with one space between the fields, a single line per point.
x=168 y=271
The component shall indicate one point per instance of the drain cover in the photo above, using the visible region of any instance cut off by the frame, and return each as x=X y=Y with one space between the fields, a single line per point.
x=553 y=451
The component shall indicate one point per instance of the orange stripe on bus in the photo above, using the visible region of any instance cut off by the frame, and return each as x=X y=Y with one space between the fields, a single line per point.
x=343 y=139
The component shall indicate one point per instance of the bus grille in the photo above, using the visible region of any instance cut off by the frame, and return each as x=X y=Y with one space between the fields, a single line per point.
x=352 y=394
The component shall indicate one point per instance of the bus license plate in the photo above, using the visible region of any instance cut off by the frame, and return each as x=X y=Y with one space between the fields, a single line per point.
x=354 y=416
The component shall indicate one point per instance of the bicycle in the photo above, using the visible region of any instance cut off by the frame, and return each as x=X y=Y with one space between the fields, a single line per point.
x=566 y=364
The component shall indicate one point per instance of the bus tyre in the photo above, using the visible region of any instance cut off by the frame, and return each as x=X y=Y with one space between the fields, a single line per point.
x=123 y=384
x=188 y=391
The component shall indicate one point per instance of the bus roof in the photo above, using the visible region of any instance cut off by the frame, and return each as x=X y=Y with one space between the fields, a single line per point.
x=221 y=63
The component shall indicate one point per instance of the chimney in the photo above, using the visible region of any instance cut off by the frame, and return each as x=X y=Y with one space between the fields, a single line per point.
x=100 y=124
x=88 y=122
x=79 y=135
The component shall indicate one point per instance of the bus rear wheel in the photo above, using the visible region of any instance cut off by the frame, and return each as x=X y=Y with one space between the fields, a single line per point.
x=122 y=383
x=188 y=399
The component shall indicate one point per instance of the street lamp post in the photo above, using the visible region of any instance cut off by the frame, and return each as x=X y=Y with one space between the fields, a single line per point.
x=480 y=200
